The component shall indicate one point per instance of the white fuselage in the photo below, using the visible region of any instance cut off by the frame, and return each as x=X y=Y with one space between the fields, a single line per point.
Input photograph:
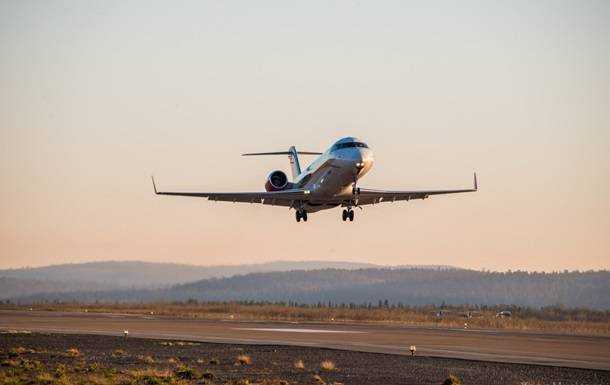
x=331 y=178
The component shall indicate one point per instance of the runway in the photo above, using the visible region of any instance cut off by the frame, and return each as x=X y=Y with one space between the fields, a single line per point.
x=486 y=345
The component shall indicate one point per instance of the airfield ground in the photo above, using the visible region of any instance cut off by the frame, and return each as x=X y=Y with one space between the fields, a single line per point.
x=363 y=354
x=76 y=359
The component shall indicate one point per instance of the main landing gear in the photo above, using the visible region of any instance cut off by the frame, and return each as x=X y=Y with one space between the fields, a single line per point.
x=301 y=214
x=349 y=213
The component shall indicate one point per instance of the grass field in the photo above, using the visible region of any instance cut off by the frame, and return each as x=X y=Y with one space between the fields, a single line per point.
x=555 y=319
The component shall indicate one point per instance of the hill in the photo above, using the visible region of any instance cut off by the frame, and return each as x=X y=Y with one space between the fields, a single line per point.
x=411 y=286
x=112 y=275
x=150 y=274
x=11 y=287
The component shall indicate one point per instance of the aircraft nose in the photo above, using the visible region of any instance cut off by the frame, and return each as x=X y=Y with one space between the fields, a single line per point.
x=357 y=158
x=362 y=158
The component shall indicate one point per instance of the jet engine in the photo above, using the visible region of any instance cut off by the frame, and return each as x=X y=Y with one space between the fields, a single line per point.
x=276 y=181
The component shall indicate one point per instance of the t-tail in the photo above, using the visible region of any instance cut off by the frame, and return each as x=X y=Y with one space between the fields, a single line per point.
x=295 y=166
x=293 y=156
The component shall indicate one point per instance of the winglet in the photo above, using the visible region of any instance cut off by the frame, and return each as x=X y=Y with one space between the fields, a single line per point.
x=476 y=185
x=153 y=182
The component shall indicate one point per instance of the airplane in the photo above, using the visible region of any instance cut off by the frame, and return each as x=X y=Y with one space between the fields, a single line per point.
x=331 y=180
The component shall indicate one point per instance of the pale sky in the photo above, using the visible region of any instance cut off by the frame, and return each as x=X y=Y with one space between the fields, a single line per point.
x=97 y=95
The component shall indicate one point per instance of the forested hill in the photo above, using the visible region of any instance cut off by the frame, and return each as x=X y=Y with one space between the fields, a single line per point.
x=130 y=274
x=406 y=286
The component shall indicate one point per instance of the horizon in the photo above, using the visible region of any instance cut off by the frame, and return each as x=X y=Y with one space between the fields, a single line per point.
x=373 y=265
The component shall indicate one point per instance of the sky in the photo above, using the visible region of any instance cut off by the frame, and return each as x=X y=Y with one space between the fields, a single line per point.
x=97 y=96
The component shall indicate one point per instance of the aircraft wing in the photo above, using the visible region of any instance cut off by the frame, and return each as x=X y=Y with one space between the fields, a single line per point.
x=276 y=198
x=372 y=196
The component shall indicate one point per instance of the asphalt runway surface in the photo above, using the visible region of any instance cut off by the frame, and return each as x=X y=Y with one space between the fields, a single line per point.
x=592 y=352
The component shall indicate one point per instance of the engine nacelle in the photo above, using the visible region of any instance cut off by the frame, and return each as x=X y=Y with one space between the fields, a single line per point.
x=277 y=181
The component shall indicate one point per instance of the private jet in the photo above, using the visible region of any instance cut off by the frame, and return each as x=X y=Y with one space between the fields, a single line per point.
x=330 y=181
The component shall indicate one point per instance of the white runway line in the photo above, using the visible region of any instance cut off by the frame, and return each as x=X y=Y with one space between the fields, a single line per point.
x=298 y=330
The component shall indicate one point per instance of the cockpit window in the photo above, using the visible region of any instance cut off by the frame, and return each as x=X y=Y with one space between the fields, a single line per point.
x=339 y=146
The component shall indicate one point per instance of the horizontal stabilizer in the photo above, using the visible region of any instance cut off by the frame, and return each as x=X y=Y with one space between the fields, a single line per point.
x=282 y=153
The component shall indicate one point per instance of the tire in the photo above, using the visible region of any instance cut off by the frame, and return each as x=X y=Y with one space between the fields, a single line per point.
x=304 y=215
x=298 y=216
x=351 y=216
x=344 y=215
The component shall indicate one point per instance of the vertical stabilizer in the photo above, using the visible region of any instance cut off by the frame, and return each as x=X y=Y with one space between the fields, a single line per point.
x=294 y=162
x=293 y=155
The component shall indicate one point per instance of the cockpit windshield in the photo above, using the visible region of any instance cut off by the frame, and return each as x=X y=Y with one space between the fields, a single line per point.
x=339 y=146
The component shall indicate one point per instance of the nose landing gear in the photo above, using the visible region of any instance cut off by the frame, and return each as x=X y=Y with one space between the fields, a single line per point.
x=348 y=214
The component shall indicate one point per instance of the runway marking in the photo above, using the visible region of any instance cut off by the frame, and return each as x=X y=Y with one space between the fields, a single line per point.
x=299 y=330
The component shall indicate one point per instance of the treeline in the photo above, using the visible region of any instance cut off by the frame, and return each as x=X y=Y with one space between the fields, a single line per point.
x=365 y=287
x=551 y=319
x=546 y=313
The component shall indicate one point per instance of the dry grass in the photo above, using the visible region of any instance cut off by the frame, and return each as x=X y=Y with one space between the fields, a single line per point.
x=327 y=365
x=30 y=372
x=9 y=363
x=73 y=352
x=150 y=372
x=173 y=360
x=45 y=378
x=452 y=380
x=244 y=359
x=61 y=370
x=299 y=364
x=117 y=353
x=318 y=380
x=17 y=351
x=98 y=379
x=146 y=359
x=20 y=350
x=186 y=373
x=207 y=375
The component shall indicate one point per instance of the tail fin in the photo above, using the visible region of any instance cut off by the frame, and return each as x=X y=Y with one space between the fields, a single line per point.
x=294 y=162
x=293 y=155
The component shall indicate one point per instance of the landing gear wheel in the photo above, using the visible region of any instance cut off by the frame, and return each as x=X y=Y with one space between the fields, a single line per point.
x=301 y=214
x=344 y=215
x=351 y=215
